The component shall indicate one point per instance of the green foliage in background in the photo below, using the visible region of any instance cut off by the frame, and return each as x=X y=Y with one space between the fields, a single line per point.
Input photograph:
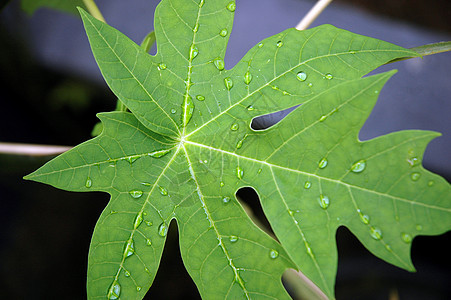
x=187 y=146
x=30 y=6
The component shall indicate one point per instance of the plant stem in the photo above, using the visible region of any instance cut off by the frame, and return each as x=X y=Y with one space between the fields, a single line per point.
x=33 y=150
x=428 y=49
x=94 y=10
x=313 y=14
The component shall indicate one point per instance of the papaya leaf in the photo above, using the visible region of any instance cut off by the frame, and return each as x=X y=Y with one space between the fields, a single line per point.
x=30 y=6
x=187 y=147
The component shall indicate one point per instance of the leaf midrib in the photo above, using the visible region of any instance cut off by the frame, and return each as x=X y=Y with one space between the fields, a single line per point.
x=270 y=165
x=279 y=76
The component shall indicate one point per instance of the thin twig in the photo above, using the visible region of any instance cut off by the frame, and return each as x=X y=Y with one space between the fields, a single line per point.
x=32 y=150
x=313 y=14
x=94 y=10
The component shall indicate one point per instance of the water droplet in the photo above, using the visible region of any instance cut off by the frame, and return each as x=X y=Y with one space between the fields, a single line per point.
x=127 y=273
x=162 y=66
x=250 y=108
x=375 y=233
x=415 y=176
x=323 y=201
x=196 y=28
x=193 y=51
x=223 y=32
x=310 y=84
x=187 y=109
x=136 y=193
x=358 y=166
x=129 y=248
x=200 y=97
x=388 y=247
x=301 y=76
x=234 y=127
x=273 y=254
x=148 y=223
x=173 y=111
x=309 y=249
x=419 y=227
x=226 y=199
x=233 y=238
x=221 y=184
x=323 y=118
x=431 y=183
x=88 y=183
x=307 y=185
x=163 y=229
x=239 y=172
x=352 y=51
x=364 y=218
x=231 y=6
x=247 y=77
x=219 y=63
x=279 y=44
x=132 y=159
x=138 y=288
x=138 y=220
x=114 y=291
x=260 y=45
x=328 y=76
x=240 y=142
x=407 y=238
x=148 y=242
x=159 y=153
x=323 y=163
x=163 y=191
x=228 y=83
x=259 y=171
x=413 y=161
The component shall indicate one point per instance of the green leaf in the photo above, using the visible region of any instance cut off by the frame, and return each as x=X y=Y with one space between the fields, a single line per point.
x=30 y=6
x=187 y=146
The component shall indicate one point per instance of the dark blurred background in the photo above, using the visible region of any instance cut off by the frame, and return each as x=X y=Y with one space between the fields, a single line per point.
x=51 y=90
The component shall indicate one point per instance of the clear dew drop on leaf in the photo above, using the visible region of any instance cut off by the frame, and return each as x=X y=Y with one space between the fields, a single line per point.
x=233 y=238
x=301 y=76
x=273 y=254
x=115 y=291
x=228 y=82
x=162 y=66
x=129 y=248
x=138 y=220
x=328 y=76
x=193 y=51
x=239 y=172
x=200 y=97
x=307 y=185
x=226 y=200
x=136 y=194
x=415 y=176
x=323 y=201
x=247 y=77
x=323 y=163
x=163 y=229
x=163 y=191
x=358 y=166
x=375 y=233
x=88 y=183
x=231 y=6
x=407 y=238
x=234 y=127
x=223 y=32
x=219 y=63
